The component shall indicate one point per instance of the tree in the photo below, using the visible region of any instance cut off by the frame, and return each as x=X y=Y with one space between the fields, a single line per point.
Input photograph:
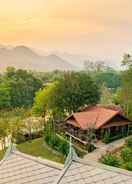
x=126 y=91
x=97 y=66
x=4 y=132
x=16 y=127
x=111 y=78
x=106 y=96
x=5 y=97
x=68 y=94
x=22 y=86
x=126 y=87
x=43 y=100
x=127 y=60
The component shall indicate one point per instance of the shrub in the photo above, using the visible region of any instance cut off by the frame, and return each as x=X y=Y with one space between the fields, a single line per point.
x=129 y=142
x=126 y=154
x=111 y=160
x=128 y=166
x=106 y=138
x=57 y=143
x=20 y=138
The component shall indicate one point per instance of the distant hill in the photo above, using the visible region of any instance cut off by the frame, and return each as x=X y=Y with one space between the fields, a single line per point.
x=26 y=58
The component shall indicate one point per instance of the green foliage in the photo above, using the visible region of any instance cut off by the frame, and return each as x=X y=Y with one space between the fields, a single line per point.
x=106 y=137
x=128 y=166
x=14 y=113
x=57 y=143
x=126 y=154
x=18 y=88
x=39 y=148
x=123 y=158
x=54 y=140
x=111 y=160
x=20 y=138
x=126 y=91
x=129 y=143
x=111 y=78
x=5 y=98
x=67 y=94
x=43 y=100
x=124 y=94
x=127 y=60
x=4 y=129
x=106 y=96
x=11 y=123
x=2 y=153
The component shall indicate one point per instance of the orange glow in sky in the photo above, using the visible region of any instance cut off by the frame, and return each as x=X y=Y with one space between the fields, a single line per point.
x=83 y=26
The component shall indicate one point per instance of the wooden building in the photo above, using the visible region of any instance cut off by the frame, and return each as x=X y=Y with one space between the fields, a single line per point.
x=100 y=120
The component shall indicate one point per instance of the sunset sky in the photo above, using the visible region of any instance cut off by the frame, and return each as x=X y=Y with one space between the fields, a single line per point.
x=99 y=28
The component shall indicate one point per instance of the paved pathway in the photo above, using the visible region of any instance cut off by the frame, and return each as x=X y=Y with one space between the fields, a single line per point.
x=103 y=148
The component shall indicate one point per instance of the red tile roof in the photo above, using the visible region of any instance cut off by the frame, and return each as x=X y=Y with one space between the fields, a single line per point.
x=93 y=117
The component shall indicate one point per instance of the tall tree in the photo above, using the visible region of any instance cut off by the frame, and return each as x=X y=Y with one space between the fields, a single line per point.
x=126 y=88
x=23 y=86
x=68 y=94
x=5 y=95
x=106 y=96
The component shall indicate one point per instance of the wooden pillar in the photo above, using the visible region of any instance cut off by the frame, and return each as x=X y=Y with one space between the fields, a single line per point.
x=109 y=131
x=122 y=130
x=127 y=129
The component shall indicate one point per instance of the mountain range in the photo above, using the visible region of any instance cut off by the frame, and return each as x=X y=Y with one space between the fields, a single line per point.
x=26 y=58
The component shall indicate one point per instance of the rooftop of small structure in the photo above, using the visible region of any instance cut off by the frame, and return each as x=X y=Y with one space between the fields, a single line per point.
x=94 y=116
x=19 y=168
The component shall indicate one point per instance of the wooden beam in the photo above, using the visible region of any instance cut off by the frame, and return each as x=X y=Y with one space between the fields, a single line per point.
x=76 y=138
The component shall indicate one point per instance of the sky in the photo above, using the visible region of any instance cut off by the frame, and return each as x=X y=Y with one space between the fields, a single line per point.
x=98 y=28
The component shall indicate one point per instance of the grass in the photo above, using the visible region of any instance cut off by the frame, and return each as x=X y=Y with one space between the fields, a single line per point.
x=2 y=154
x=38 y=148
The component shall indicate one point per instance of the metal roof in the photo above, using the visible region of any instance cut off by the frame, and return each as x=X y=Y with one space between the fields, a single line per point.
x=20 y=168
x=80 y=172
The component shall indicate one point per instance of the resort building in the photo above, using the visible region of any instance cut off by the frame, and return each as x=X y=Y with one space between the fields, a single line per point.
x=100 y=120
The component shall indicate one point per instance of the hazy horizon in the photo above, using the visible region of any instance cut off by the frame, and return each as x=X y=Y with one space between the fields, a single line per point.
x=100 y=29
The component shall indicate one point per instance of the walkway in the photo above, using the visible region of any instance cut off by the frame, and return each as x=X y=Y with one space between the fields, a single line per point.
x=103 y=148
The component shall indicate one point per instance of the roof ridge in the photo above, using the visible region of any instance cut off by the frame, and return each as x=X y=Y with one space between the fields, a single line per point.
x=70 y=158
x=40 y=160
x=63 y=173
x=92 y=164
x=103 y=166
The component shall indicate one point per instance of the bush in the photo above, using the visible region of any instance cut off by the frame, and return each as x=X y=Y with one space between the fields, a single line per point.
x=128 y=166
x=129 y=143
x=61 y=145
x=20 y=138
x=111 y=160
x=106 y=138
x=57 y=143
x=126 y=154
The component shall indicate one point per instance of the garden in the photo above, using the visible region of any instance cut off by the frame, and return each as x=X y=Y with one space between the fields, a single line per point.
x=121 y=158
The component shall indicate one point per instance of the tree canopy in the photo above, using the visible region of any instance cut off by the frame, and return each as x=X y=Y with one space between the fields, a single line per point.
x=124 y=94
x=67 y=94
x=18 y=88
x=111 y=78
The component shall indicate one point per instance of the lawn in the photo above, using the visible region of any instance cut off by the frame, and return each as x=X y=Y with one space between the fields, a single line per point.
x=38 y=148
